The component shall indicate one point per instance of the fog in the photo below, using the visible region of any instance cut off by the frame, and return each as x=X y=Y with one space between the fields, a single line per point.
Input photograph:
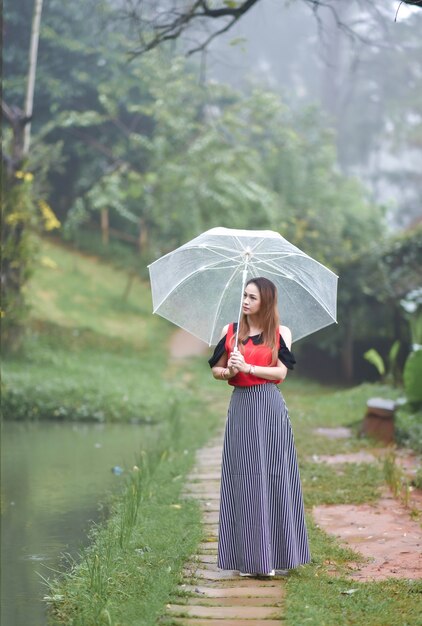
x=369 y=84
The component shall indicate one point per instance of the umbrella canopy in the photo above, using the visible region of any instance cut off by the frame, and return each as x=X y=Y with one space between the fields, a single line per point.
x=199 y=286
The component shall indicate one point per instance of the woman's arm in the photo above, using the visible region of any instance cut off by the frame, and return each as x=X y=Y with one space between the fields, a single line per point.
x=275 y=372
x=221 y=371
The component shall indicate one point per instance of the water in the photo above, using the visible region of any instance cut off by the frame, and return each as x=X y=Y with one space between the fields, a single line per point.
x=54 y=478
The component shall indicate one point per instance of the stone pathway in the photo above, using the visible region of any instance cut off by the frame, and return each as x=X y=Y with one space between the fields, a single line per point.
x=183 y=345
x=383 y=531
x=209 y=596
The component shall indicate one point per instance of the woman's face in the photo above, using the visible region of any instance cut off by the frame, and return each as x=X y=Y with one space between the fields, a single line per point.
x=251 y=299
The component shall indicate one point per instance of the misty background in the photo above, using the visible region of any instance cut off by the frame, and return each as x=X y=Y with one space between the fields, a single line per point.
x=370 y=89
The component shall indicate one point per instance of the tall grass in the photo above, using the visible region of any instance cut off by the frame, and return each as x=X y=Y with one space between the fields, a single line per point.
x=134 y=561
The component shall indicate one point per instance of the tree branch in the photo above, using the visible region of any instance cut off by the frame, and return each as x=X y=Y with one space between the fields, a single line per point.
x=156 y=26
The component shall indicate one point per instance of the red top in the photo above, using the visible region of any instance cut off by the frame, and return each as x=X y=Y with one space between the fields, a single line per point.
x=254 y=355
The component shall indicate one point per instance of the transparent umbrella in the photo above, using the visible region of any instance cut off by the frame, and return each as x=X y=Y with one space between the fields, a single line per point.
x=200 y=285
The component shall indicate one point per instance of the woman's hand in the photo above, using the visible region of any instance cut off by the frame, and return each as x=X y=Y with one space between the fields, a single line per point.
x=237 y=362
x=232 y=369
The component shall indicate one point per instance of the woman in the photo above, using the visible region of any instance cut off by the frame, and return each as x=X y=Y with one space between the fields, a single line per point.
x=262 y=526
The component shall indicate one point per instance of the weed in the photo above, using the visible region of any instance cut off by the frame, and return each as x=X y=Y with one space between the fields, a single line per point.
x=396 y=479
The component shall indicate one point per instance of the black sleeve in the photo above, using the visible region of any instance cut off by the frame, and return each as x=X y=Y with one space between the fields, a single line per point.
x=285 y=355
x=220 y=349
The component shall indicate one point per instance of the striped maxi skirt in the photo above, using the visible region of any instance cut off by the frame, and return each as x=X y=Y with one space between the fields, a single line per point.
x=261 y=523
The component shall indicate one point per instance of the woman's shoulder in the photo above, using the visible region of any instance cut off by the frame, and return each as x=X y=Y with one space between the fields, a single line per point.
x=286 y=333
x=225 y=330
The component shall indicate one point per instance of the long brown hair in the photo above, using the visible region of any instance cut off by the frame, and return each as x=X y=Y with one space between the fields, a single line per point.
x=268 y=318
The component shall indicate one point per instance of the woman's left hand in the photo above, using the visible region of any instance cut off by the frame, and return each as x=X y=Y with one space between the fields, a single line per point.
x=237 y=361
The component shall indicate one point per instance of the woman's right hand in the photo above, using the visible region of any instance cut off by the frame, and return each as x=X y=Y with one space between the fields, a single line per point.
x=237 y=362
x=232 y=367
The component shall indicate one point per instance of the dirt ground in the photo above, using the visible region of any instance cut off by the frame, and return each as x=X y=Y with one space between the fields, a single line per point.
x=183 y=344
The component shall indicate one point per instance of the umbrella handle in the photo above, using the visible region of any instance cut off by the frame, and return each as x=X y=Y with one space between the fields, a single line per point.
x=245 y=275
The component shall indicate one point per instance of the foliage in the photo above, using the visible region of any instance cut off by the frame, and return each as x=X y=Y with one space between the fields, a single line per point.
x=24 y=212
x=412 y=304
x=408 y=427
x=412 y=374
x=372 y=286
x=168 y=157
x=412 y=377
x=17 y=252
x=374 y=357
x=377 y=361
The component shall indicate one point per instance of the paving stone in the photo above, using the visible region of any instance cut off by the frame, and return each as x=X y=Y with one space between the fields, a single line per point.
x=208 y=548
x=214 y=461
x=208 y=545
x=236 y=601
x=210 y=507
x=236 y=581
x=212 y=567
x=212 y=531
x=334 y=433
x=229 y=575
x=225 y=612
x=205 y=476
x=210 y=517
x=186 y=621
x=256 y=591
x=207 y=558
x=205 y=492
x=211 y=575
x=213 y=449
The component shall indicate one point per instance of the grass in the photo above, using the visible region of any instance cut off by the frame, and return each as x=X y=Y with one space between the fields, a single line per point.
x=78 y=374
x=91 y=355
x=135 y=560
x=314 y=594
x=328 y=601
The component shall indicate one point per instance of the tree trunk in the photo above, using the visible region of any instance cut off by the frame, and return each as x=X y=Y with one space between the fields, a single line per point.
x=333 y=85
x=347 y=350
x=30 y=87
x=17 y=246
x=105 y=230
x=143 y=236
x=128 y=287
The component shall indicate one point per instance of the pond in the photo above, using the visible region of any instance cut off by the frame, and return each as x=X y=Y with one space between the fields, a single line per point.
x=54 y=478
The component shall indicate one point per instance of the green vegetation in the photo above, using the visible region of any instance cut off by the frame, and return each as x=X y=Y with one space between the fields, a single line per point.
x=156 y=156
x=314 y=595
x=135 y=559
x=316 y=598
x=91 y=355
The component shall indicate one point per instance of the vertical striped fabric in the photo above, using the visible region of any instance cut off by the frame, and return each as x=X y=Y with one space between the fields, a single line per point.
x=262 y=525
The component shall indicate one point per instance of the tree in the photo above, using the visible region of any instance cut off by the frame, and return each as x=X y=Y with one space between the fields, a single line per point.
x=157 y=23
x=20 y=211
